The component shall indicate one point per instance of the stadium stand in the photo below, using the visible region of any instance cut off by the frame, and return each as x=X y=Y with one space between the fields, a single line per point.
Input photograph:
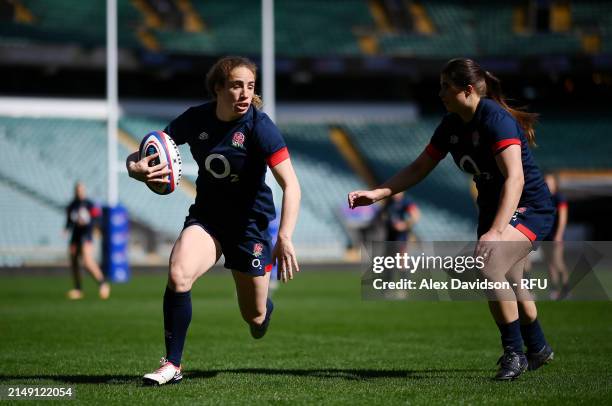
x=325 y=180
x=27 y=222
x=72 y=22
x=451 y=28
x=59 y=152
x=574 y=143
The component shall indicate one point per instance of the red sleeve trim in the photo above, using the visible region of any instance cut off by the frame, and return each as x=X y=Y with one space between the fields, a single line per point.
x=278 y=157
x=562 y=205
x=528 y=233
x=499 y=145
x=433 y=152
x=268 y=268
x=95 y=212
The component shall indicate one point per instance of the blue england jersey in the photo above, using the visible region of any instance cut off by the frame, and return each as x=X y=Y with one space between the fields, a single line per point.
x=80 y=218
x=232 y=158
x=399 y=210
x=474 y=146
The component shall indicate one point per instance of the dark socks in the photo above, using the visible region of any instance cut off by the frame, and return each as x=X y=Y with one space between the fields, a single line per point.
x=177 y=316
x=76 y=274
x=533 y=336
x=511 y=336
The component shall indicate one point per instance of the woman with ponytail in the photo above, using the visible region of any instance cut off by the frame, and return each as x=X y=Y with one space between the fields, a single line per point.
x=490 y=140
x=233 y=143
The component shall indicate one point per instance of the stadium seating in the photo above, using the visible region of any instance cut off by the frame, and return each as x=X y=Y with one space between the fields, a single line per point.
x=59 y=152
x=576 y=143
x=26 y=222
x=310 y=28
x=453 y=36
x=73 y=22
x=325 y=181
x=42 y=158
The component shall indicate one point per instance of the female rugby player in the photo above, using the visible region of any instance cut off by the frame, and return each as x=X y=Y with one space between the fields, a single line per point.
x=490 y=140
x=80 y=216
x=232 y=142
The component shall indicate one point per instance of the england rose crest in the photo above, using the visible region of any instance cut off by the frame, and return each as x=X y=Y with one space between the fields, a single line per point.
x=238 y=140
x=257 y=249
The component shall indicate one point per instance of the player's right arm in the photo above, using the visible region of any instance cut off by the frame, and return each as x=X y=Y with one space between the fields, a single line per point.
x=404 y=179
x=140 y=169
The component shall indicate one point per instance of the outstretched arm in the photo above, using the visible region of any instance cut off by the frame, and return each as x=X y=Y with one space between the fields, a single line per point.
x=284 y=253
x=404 y=179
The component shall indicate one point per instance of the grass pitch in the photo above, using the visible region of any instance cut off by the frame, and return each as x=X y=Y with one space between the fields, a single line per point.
x=325 y=345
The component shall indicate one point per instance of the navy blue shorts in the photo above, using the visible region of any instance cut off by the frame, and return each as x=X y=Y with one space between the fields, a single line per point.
x=246 y=249
x=80 y=237
x=534 y=221
x=394 y=235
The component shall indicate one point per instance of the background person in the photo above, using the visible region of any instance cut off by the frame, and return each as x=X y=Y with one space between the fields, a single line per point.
x=81 y=214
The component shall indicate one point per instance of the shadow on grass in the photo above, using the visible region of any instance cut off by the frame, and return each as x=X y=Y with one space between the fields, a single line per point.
x=331 y=373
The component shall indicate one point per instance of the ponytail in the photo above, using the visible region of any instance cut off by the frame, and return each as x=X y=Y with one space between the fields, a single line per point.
x=257 y=101
x=525 y=119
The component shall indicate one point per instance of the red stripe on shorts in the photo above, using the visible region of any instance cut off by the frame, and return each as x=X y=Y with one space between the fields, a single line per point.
x=528 y=233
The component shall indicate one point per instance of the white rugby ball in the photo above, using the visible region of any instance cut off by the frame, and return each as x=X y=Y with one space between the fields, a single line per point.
x=160 y=142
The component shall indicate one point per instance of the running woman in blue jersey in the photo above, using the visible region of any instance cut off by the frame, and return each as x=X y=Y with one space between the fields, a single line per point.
x=233 y=143
x=490 y=140
x=553 y=252
x=81 y=214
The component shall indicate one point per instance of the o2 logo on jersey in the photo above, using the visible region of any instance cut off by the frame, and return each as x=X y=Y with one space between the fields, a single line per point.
x=467 y=164
x=220 y=174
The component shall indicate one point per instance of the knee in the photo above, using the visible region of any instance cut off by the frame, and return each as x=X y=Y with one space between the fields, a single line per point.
x=179 y=278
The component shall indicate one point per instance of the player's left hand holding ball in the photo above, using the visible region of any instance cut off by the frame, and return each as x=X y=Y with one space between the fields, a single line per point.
x=140 y=170
x=284 y=257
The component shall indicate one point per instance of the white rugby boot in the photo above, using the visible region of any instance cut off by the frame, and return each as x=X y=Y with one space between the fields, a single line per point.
x=166 y=373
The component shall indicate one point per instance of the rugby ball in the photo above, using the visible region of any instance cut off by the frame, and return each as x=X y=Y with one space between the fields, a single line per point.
x=160 y=142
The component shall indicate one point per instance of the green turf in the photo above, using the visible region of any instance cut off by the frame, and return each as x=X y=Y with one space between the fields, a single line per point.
x=325 y=345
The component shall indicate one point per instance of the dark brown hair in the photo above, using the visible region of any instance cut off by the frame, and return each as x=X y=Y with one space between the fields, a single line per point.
x=462 y=72
x=218 y=73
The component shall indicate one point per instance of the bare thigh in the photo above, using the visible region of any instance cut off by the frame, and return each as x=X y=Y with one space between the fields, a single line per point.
x=193 y=254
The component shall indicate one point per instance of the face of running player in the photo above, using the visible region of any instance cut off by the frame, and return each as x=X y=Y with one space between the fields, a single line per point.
x=79 y=191
x=234 y=99
x=454 y=98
